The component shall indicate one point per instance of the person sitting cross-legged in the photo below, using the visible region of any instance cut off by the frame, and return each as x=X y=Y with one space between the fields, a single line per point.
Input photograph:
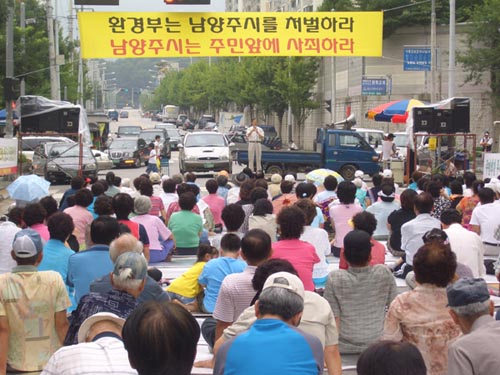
x=273 y=345
x=349 y=292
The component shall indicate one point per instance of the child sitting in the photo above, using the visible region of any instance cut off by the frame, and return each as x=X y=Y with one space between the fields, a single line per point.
x=184 y=289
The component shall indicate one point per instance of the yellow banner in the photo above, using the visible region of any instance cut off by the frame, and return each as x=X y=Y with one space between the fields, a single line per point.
x=135 y=35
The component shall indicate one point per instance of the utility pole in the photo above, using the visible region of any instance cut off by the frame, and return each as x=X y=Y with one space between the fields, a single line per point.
x=56 y=55
x=52 y=51
x=23 y=44
x=451 y=57
x=433 y=51
x=9 y=62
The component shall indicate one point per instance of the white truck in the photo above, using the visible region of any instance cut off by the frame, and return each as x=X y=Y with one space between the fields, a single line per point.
x=170 y=113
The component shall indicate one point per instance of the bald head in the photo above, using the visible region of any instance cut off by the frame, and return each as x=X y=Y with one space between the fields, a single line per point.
x=123 y=244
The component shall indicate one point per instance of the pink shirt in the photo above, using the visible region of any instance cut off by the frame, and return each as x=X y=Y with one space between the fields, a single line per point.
x=340 y=215
x=378 y=255
x=156 y=206
x=302 y=255
x=216 y=205
x=156 y=229
x=42 y=230
x=81 y=218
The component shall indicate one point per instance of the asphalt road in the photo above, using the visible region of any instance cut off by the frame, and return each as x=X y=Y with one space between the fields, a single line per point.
x=57 y=190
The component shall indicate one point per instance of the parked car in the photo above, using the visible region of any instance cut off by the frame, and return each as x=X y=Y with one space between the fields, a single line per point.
x=113 y=115
x=188 y=125
x=124 y=114
x=202 y=122
x=126 y=152
x=180 y=119
x=129 y=131
x=175 y=138
x=60 y=161
x=148 y=136
x=30 y=143
x=103 y=160
x=205 y=152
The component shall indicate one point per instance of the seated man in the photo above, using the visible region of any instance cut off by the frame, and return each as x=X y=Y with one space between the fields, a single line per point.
x=85 y=266
x=273 y=345
x=350 y=293
x=471 y=308
x=32 y=308
x=125 y=243
x=99 y=338
x=128 y=279
x=236 y=292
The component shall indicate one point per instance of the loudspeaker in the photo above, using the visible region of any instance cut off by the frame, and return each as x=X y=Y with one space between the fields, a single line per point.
x=460 y=115
x=443 y=121
x=423 y=120
x=63 y=120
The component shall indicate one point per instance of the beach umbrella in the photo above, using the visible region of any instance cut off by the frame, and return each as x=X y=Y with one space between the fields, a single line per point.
x=29 y=188
x=317 y=176
x=395 y=111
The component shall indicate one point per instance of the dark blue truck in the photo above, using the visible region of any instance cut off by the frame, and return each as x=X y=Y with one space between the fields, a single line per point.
x=343 y=151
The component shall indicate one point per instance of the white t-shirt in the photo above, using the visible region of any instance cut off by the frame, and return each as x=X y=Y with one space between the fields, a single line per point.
x=488 y=219
x=152 y=156
x=319 y=239
x=255 y=136
x=387 y=150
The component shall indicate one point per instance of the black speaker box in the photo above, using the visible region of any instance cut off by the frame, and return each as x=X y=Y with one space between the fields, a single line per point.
x=63 y=120
x=461 y=115
x=443 y=121
x=423 y=120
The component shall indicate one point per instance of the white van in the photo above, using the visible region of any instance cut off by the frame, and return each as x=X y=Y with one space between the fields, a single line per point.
x=374 y=137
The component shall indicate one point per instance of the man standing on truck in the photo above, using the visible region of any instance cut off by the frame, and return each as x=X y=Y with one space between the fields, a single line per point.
x=255 y=135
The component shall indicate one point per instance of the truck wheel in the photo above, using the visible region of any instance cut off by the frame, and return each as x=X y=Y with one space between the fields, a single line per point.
x=274 y=169
x=348 y=171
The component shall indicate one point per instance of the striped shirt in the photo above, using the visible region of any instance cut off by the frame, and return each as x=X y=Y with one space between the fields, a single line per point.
x=235 y=295
x=106 y=355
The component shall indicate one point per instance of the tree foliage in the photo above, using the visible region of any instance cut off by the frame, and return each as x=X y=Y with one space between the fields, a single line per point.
x=482 y=54
x=401 y=13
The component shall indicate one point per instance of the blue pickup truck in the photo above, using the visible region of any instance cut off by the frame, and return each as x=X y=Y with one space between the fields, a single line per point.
x=343 y=151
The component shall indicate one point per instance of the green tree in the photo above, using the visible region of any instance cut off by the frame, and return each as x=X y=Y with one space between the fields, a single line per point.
x=296 y=84
x=482 y=53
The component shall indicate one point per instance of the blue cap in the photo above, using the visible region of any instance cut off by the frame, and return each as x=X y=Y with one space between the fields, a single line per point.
x=467 y=291
x=27 y=243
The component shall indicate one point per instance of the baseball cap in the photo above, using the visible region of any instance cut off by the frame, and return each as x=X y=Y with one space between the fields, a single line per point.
x=93 y=319
x=387 y=173
x=27 y=243
x=357 y=239
x=359 y=173
x=154 y=177
x=287 y=281
x=290 y=177
x=467 y=291
x=223 y=173
x=130 y=265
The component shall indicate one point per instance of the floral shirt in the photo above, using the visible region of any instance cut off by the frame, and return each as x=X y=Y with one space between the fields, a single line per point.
x=440 y=204
x=421 y=317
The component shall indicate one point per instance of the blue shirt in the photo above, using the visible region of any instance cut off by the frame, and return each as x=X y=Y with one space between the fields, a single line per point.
x=64 y=200
x=212 y=276
x=86 y=266
x=55 y=258
x=270 y=347
x=318 y=219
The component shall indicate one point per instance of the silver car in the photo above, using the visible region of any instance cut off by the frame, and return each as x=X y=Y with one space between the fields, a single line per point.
x=205 y=152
